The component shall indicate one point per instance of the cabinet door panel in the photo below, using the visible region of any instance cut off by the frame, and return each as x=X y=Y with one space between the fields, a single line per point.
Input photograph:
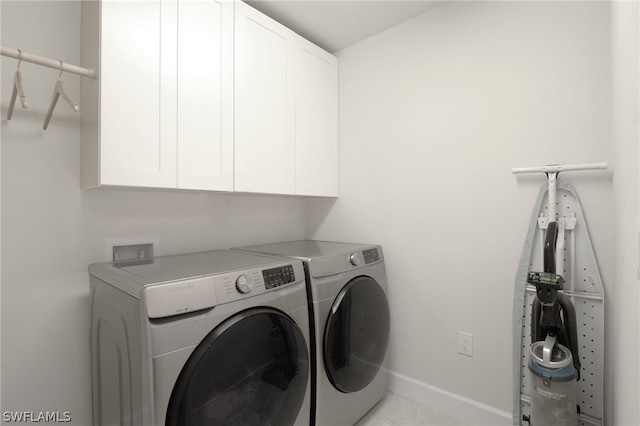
x=317 y=148
x=264 y=131
x=205 y=95
x=133 y=152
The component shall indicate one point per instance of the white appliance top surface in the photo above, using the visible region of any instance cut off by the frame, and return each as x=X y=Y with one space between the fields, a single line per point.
x=307 y=249
x=178 y=267
x=171 y=268
x=174 y=285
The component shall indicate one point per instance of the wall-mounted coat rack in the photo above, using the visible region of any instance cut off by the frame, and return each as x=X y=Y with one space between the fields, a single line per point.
x=59 y=89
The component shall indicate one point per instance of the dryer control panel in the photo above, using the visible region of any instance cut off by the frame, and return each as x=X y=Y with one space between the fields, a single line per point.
x=366 y=256
x=370 y=256
x=330 y=265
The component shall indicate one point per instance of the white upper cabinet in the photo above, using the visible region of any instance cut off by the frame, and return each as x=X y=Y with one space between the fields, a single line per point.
x=134 y=148
x=205 y=95
x=317 y=147
x=264 y=104
x=286 y=110
x=160 y=113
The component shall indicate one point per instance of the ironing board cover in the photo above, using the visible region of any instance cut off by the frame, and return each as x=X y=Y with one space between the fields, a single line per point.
x=583 y=285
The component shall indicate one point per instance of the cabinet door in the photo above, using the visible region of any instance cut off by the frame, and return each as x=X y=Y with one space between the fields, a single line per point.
x=137 y=121
x=205 y=95
x=317 y=147
x=264 y=102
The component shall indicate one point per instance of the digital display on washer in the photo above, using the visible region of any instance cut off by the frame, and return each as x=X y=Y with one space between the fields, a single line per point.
x=370 y=256
x=278 y=276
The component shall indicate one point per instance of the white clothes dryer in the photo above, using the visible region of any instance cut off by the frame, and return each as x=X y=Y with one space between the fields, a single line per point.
x=346 y=287
x=213 y=338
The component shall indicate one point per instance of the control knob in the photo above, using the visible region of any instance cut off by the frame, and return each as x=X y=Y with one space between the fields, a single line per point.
x=243 y=284
x=354 y=259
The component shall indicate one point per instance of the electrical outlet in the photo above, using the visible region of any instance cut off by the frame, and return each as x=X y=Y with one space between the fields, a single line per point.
x=465 y=343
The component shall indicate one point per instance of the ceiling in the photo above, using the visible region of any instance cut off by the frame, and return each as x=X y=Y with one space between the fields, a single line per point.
x=336 y=24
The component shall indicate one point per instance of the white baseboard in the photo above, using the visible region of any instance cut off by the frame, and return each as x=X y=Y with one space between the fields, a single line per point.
x=467 y=410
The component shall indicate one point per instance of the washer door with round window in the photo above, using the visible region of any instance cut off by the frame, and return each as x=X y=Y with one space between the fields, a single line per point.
x=356 y=334
x=252 y=369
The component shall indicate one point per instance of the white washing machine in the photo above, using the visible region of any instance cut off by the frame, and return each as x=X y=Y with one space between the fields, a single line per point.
x=346 y=287
x=213 y=338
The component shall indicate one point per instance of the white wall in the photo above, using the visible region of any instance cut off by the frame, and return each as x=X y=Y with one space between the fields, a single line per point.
x=1 y=94
x=626 y=137
x=434 y=113
x=51 y=229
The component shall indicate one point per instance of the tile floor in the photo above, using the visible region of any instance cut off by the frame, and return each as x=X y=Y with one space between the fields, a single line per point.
x=398 y=411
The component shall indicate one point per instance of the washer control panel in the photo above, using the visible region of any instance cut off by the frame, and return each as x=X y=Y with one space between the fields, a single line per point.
x=179 y=297
x=243 y=284
x=276 y=277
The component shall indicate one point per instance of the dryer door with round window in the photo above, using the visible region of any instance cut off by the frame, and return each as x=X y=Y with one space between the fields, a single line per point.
x=252 y=369
x=356 y=334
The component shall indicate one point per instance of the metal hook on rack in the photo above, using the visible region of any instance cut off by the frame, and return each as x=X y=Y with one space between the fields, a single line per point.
x=17 y=89
x=59 y=90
